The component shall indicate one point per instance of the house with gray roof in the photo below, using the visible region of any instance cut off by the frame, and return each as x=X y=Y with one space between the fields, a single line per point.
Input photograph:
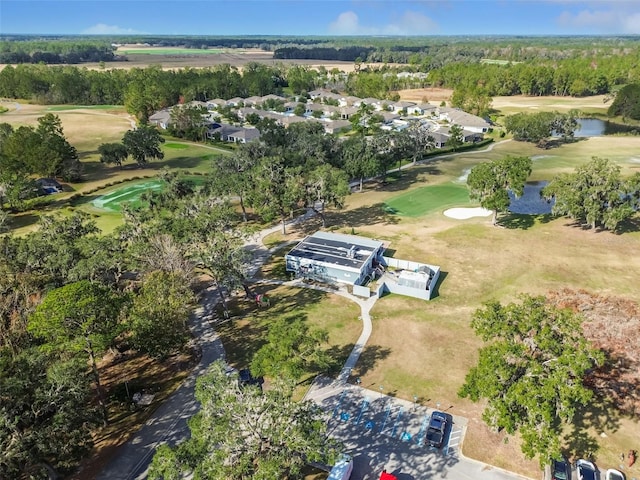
x=161 y=119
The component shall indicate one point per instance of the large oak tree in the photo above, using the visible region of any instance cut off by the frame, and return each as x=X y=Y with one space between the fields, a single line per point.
x=530 y=371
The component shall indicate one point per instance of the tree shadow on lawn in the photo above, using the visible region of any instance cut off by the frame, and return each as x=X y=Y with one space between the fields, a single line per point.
x=369 y=357
x=600 y=415
x=243 y=337
x=396 y=181
x=362 y=217
x=630 y=225
x=522 y=221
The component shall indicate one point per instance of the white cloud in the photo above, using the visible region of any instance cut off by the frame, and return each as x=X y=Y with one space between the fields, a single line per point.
x=410 y=23
x=103 y=29
x=620 y=18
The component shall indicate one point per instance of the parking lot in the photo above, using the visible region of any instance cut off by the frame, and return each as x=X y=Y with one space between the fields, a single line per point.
x=381 y=431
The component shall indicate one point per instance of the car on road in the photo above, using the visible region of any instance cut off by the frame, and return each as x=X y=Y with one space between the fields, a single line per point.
x=586 y=470
x=560 y=469
x=613 y=474
x=436 y=429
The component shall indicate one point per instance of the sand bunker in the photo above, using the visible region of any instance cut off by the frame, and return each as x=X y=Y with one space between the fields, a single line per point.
x=465 y=213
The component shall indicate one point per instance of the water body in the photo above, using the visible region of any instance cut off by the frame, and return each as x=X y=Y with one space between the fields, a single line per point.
x=530 y=203
x=594 y=127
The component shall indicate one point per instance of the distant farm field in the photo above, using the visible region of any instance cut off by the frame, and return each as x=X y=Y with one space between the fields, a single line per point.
x=170 y=51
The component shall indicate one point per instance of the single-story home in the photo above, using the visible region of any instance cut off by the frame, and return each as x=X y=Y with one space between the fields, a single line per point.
x=161 y=119
x=335 y=257
x=231 y=133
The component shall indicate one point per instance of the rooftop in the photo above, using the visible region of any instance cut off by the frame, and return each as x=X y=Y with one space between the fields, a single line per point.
x=336 y=249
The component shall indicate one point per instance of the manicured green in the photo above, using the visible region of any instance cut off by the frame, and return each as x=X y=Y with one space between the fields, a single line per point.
x=422 y=201
x=131 y=192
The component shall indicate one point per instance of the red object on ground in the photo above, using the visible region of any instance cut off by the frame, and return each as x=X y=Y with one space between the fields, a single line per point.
x=387 y=476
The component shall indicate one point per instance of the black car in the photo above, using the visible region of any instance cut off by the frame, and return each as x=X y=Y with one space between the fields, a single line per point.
x=560 y=469
x=436 y=429
x=245 y=378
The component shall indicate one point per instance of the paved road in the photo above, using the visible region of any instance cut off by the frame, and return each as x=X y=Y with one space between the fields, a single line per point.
x=169 y=423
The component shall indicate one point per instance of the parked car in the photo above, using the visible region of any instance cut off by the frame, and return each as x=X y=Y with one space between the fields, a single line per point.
x=245 y=378
x=436 y=429
x=586 y=470
x=560 y=469
x=612 y=474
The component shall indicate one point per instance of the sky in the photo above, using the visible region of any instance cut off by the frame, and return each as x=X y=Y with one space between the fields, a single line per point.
x=325 y=17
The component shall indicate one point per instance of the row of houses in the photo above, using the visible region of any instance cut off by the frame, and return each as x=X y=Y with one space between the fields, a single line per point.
x=335 y=118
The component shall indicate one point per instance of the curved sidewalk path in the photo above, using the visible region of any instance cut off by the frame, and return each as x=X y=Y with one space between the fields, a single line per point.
x=168 y=424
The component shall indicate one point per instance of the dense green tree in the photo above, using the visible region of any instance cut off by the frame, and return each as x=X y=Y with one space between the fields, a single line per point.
x=115 y=153
x=627 y=102
x=243 y=433
x=143 y=144
x=46 y=415
x=52 y=252
x=159 y=314
x=326 y=185
x=490 y=182
x=360 y=158
x=233 y=173
x=456 y=138
x=291 y=350
x=594 y=195
x=63 y=157
x=277 y=189
x=531 y=371
x=79 y=317
x=187 y=122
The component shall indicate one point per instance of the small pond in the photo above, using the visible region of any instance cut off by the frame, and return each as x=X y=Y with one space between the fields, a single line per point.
x=594 y=127
x=530 y=202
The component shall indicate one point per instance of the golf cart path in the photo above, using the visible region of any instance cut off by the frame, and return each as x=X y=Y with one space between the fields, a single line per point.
x=168 y=424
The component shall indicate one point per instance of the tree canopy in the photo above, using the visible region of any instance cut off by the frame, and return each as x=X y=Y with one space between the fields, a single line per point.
x=530 y=371
x=143 y=144
x=627 y=102
x=242 y=433
x=595 y=194
x=490 y=182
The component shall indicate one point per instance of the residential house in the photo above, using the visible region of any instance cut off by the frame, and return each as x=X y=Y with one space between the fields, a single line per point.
x=161 y=119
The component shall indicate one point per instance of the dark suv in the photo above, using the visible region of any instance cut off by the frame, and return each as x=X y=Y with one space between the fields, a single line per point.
x=560 y=469
x=436 y=429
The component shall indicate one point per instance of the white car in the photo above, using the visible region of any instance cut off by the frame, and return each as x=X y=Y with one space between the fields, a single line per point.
x=586 y=470
x=612 y=474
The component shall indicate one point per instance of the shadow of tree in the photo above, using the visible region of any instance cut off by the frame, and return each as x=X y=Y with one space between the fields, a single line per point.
x=517 y=221
x=361 y=216
x=599 y=415
x=369 y=357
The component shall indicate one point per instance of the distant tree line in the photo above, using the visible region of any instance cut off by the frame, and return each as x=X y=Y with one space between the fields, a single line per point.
x=56 y=51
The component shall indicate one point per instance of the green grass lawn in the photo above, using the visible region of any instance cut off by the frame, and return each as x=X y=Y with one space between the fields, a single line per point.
x=424 y=200
x=176 y=146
